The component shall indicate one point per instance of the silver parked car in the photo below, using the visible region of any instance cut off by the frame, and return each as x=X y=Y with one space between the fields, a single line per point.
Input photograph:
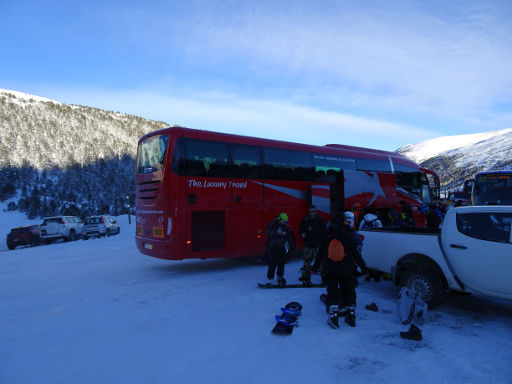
x=101 y=225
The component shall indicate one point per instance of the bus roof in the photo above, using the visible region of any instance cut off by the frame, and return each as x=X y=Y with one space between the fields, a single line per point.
x=332 y=149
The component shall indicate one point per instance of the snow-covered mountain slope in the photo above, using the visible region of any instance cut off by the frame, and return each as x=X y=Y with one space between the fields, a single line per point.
x=485 y=147
x=43 y=133
x=456 y=158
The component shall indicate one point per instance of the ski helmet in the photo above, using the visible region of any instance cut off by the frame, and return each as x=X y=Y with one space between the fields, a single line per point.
x=349 y=219
x=284 y=217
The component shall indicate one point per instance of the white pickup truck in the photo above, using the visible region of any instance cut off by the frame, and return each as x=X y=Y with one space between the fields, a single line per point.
x=472 y=253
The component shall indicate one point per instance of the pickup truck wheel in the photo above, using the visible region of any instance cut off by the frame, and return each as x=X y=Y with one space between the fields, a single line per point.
x=424 y=282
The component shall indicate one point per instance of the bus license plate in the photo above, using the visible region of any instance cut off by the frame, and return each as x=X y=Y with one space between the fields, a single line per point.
x=148 y=246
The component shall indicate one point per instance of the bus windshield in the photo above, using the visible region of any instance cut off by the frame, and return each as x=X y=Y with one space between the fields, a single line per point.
x=493 y=188
x=416 y=184
x=151 y=153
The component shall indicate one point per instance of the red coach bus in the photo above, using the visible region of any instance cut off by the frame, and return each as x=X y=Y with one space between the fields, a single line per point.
x=204 y=194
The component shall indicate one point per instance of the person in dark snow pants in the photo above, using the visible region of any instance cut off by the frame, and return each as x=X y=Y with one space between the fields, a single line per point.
x=314 y=232
x=279 y=242
x=340 y=275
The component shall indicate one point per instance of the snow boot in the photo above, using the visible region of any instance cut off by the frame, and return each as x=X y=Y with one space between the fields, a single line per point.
x=372 y=307
x=414 y=333
x=333 y=317
x=350 y=316
x=281 y=281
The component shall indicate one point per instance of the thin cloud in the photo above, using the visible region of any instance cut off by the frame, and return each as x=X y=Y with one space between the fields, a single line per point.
x=411 y=58
x=273 y=119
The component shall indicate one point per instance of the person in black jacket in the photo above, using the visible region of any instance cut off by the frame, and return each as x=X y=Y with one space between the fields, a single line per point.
x=279 y=243
x=341 y=274
x=313 y=230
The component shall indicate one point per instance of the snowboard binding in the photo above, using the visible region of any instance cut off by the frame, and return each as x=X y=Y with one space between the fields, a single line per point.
x=288 y=319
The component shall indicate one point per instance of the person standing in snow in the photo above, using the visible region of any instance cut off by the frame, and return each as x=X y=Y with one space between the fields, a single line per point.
x=341 y=274
x=313 y=230
x=279 y=242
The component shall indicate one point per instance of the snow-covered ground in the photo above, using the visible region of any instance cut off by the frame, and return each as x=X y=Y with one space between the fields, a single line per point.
x=98 y=311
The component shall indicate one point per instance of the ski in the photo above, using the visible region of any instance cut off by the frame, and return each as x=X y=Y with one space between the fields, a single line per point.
x=267 y=285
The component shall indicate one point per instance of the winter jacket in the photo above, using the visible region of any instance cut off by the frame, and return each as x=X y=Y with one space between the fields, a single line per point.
x=279 y=235
x=346 y=266
x=315 y=230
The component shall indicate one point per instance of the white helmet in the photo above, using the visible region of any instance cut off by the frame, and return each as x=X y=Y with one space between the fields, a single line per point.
x=350 y=219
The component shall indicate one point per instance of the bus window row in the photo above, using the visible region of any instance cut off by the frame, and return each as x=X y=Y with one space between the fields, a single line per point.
x=215 y=159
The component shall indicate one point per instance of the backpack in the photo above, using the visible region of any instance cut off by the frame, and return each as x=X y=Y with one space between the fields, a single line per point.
x=410 y=307
x=336 y=251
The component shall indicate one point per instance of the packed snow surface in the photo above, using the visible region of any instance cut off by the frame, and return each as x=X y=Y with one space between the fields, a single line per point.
x=98 y=311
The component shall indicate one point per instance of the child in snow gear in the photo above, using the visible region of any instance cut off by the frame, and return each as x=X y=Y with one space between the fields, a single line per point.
x=288 y=319
x=340 y=274
x=313 y=230
x=279 y=241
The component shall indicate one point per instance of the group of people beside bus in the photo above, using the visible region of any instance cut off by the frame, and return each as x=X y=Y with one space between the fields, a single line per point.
x=338 y=273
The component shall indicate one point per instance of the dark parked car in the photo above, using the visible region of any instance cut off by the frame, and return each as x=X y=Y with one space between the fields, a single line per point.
x=26 y=235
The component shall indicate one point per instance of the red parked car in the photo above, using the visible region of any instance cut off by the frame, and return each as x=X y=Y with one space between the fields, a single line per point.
x=26 y=235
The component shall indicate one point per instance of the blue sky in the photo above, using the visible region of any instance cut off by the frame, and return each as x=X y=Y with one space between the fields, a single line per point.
x=380 y=74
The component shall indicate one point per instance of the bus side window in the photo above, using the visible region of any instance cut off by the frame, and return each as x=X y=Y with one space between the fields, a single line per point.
x=246 y=162
x=287 y=165
x=195 y=168
x=205 y=158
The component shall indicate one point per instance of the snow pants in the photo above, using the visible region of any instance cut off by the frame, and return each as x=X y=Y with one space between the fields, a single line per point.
x=276 y=259
x=344 y=286
x=309 y=256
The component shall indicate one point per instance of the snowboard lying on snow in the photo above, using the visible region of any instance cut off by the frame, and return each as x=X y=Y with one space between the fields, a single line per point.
x=300 y=285
x=288 y=319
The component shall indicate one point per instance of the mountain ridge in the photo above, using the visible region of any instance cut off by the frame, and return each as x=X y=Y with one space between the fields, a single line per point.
x=459 y=157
